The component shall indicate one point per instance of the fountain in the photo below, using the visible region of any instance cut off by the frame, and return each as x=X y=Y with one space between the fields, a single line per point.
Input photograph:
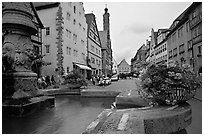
x=20 y=95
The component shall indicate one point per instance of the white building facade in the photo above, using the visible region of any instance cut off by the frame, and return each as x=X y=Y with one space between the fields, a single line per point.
x=64 y=37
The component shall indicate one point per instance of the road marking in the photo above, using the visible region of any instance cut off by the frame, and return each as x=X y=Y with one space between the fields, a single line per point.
x=123 y=121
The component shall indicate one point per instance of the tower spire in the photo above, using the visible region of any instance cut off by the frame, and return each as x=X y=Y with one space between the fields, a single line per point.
x=106 y=9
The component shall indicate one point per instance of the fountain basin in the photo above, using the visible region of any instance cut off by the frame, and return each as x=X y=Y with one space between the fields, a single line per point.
x=24 y=107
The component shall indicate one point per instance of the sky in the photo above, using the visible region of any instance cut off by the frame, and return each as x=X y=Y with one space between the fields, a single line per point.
x=131 y=22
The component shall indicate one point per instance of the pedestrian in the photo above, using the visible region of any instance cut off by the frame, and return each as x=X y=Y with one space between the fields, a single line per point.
x=93 y=80
x=44 y=85
x=52 y=80
x=39 y=83
x=47 y=80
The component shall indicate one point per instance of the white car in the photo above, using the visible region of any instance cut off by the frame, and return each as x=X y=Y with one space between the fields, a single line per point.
x=107 y=80
x=114 y=78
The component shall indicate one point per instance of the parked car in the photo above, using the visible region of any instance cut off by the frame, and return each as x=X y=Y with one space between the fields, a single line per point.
x=115 y=78
x=105 y=81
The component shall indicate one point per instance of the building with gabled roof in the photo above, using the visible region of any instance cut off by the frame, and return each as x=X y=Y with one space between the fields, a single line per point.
x=94 y=54
x=138 y=62
x=124 y=67
x=160 y=48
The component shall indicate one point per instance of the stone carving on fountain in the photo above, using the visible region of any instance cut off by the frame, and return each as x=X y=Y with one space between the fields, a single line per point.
x=17 y=51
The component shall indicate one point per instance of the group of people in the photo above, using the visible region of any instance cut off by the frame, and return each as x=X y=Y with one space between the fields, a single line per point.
x=45 y=81
x=98 y=80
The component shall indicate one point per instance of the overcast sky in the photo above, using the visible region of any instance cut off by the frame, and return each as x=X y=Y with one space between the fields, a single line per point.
x=131 y=22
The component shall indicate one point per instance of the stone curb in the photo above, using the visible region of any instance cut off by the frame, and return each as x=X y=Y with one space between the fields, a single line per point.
x=146 y=120
x=61 y=91
x=98 y=93
x=96 y=125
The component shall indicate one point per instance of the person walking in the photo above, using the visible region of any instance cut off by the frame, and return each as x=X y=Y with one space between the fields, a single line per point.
x=52 y=80
x=93 y=80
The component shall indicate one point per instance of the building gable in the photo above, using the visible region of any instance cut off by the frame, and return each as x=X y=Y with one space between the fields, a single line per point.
x=123 y=63
x=92 y=28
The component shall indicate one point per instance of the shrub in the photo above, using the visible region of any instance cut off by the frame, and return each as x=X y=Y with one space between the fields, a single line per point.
x=164 y=81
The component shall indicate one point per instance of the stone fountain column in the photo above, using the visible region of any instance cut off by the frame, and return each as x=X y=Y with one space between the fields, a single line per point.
x=19 y=82
x=18 y=79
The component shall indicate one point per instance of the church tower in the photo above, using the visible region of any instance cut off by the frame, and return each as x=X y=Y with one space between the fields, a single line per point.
x=106 y=24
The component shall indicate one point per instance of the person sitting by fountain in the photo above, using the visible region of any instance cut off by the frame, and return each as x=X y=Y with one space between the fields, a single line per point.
x=47 y=80
x=93 y=80
x=52 y=80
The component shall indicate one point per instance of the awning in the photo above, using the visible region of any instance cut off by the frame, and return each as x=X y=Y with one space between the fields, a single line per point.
x=83 y=67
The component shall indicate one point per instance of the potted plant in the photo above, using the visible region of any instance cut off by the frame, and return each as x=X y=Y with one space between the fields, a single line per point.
x=74 y=80
x=170 y=84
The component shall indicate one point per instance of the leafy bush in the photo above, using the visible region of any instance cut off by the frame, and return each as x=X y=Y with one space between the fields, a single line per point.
x=162 y=80
x=74 y=77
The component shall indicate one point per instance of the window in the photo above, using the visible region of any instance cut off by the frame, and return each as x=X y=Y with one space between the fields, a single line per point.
x=82 y=42
x=189 y=45
x=68 y=51
x=79 y=25
x=92 y=48
x=75 y=53
x=47 y=31
x=99 y=62
x=96 y=51
x=187 y=26
x=181 y=49
x=74 y=9
x=96 y=61
x=174 y=37
x=175 y=52
x=83 y=56
x=199 y=49
x=75 y=38
x=47 y=48
x=68 y=16
x=74 y=21
x=194 y=14
x=180 y=32
x=170 y=54
x=92 y=60
x=69 y=34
